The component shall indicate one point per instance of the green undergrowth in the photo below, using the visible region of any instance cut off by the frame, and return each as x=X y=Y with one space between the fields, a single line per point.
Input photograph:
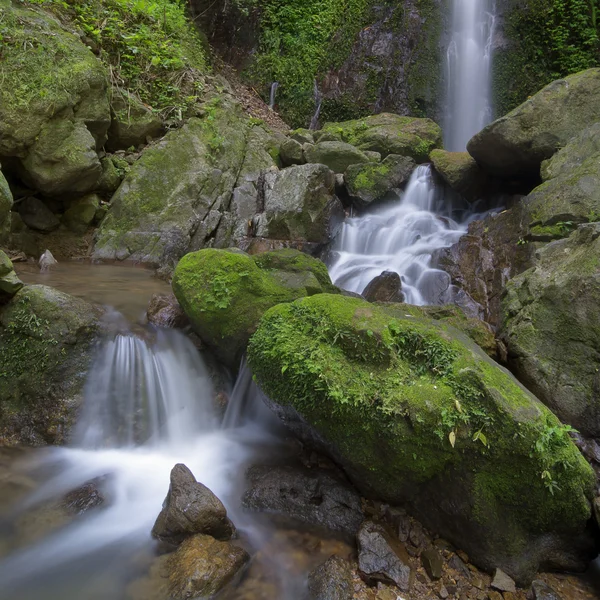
x=550 y=39
x=406 y=400
x=150 y=47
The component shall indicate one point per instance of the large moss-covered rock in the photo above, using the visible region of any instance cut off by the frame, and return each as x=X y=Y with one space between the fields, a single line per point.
x=570 y=193
x=387 y=133
x=6 y=202
x=10 y=284
x=46 y=340
x=81 y=213
x=54 y=108
x=225 y=293
x=460 y=171
x=338 y=156
x=550 y=317
x=367 y=183
x=415 y=413
x=516 y=144
x=299 y=203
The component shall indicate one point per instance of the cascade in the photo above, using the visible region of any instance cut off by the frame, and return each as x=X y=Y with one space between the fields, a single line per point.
x=468 y=61
x=274 y=87
x=314 y=122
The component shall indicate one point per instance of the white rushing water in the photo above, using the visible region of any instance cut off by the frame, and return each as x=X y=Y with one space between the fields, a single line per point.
x=468 y=80
x=402 y=236
x=148 y=406
x=274 y=87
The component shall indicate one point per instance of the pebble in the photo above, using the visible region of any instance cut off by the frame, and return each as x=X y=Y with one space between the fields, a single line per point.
x=503 y=582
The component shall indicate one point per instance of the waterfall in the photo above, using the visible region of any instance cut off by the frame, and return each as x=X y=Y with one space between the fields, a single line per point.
x=314 y=122
x=274 y=87
x=402 y=236
x=468 y=61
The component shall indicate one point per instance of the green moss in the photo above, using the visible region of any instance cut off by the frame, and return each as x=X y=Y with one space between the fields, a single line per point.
x=389 y=394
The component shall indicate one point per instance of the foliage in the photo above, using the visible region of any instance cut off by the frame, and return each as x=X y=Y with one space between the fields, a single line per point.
x=150 y=47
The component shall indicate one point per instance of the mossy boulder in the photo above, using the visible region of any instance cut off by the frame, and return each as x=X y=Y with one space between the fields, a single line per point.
x=290 y=153
x=46 y=344
x=54 y=108
x=132 y=122
x=224 y=293
x=338 y=156
x=10 y=284
x=415 y=413
x=388 y=133
x=570 y=193
x=550 y=317
x=516 y=144
x=6 y=202
x=370 y=182
x=81 y=213
x=460 y=171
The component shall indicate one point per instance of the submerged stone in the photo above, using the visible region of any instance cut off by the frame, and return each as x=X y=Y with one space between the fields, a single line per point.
x=331 y=581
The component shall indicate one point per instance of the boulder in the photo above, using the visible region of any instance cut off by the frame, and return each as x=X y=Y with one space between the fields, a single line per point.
x=570 y=193
x=10 y=284
x=460 y=171
x=338 y=156
x=299 y=203
x=501 y=581
x=516 y=144
x=386 y=287
x=433 y=563
x=110 y=179
x=542 y=591
x=331 y=581
x=412 y=399
x=132 y=124
x=36 y=215
x=381 y=557
x=81 y=213
x=550 y=317
x=370 y=182
x=190 y=508
x=47 y=341
x=53 y=125
x=303 y=136
x=225 y=293
x=388 y=133
x=164 y=311
x=290 y=153
x=86 y=497
x=312 y=496
x=202 y=566
x=6 y=202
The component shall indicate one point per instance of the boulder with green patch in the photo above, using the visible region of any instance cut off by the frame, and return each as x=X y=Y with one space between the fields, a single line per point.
x=415 y=413
x=460 y=171
x=10 y=284
x=370 y=182
x=388 y=133
x=224 y=293
x=81 y=213
x=6 y=202
x=516 y=144
x=338 y=156
x=550 y=317
x=46 y=346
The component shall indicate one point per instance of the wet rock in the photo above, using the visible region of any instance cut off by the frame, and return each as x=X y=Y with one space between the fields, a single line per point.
x=549 y=325
x=85 y=497
x=369 y=182
x=542 y=591
x=164 y=311
x=460 y=171
x=36 y=215
x=386 y=287
x=10 y=284
x=338 y=156
x=433 y=563
x=132 y=122
x=190 y=508
x=516 y=144
x=503 y=582
x=290 y=153
x=202 y=566
x=313 y=496
x=331 y=581
x=380 y=557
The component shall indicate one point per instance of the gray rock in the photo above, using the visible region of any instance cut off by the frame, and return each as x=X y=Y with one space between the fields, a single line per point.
x=542 y=591
x=10 y=284
x=190 y=508
x=290 y=153
x=86 y=497
x=457 y=563
x=81 y=213
x=386 y=287
x=503 y=582
x=164 y=311
x=381 y=557
x=338 y=156
x=331 y=581
x=303 y=136
x=433 y=563
x=36 y=215
x=6 y=202
x=313 y=496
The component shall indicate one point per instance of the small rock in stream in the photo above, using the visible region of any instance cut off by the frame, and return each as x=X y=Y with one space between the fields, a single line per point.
x=331 y=581
x=190 y=508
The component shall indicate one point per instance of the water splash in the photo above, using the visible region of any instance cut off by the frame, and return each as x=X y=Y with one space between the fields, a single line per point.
x=468 y=62
x=402 y=236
